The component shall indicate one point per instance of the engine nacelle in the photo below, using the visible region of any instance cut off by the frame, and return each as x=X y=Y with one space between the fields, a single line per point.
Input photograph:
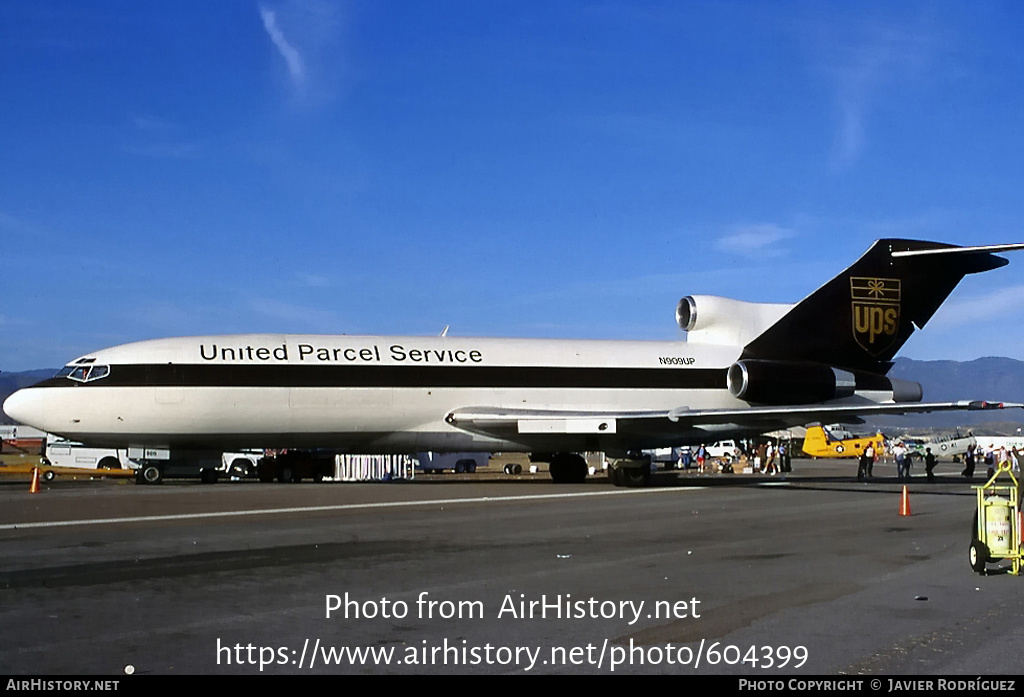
x=709 y=319
x=782 y=382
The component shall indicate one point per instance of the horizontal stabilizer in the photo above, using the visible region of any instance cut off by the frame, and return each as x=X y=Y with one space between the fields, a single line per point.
x=986 y=249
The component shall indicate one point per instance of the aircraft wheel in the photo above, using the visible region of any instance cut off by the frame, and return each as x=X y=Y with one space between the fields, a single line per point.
x=568 y=468
x=635 y=476
x=557 y=470
x=208 y=476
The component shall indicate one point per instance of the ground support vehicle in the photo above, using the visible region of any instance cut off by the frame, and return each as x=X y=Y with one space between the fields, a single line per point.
x=459 y=463
x=997 y=526
x=61 y=453
x=241 y=464
x=153 y=465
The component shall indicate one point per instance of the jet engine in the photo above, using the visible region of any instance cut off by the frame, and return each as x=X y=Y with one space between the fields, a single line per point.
x=782 y=382
x=803 y=382
x=709 y=319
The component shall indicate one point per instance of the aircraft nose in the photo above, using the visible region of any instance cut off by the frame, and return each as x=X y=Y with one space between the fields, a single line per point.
x=24 y=406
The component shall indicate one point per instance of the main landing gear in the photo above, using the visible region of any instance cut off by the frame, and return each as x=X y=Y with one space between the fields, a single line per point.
x=633 y=471
x=568 y=468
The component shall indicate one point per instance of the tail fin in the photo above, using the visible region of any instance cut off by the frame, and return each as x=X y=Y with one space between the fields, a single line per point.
x=815 y=440
x=861 y=318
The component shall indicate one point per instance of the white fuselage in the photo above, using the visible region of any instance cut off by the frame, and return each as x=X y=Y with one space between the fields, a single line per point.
x=392 y=394
x=360 y=392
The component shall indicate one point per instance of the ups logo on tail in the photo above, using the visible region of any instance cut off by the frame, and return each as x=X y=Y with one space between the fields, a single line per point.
x=876 y=312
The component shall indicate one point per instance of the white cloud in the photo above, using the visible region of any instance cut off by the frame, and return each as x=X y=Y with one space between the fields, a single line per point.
x=313 y=280
x=294 y=316
x=1000 y=304
x=862 y=60
x=756 y=240
x=309 y=36
x=296 y=67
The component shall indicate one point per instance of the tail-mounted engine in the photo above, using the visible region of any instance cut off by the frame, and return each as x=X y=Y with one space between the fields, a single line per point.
x=709 y=319
x=785 y=382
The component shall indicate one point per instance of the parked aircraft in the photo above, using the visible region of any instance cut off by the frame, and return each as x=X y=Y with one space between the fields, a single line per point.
x=952 y=447
x=821 y=443
x=745 y=368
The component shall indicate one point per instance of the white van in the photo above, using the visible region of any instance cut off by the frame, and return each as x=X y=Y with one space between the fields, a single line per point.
x=724 y=449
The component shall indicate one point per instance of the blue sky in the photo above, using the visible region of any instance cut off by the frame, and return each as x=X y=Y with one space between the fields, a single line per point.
x=557 y=168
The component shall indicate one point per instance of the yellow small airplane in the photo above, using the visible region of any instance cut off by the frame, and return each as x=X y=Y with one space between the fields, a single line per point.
x=819 y=443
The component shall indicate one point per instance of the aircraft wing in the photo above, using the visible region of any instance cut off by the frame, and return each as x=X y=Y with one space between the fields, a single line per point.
x=503 y=422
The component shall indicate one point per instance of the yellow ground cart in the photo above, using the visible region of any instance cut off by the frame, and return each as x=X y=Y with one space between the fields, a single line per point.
x=997 y=526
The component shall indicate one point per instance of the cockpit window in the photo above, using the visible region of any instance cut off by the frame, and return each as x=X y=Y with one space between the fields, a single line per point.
x=84 y=373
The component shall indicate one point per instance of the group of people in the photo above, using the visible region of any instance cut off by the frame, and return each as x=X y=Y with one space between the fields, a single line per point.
x=992 y=457
x=766 y=457
x=771 y=459
x=903 y=457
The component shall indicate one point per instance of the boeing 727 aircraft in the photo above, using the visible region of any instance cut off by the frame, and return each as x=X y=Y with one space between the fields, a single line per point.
x=745 y=368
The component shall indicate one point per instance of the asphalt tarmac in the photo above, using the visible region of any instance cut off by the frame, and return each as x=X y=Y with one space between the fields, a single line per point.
x=814 y=573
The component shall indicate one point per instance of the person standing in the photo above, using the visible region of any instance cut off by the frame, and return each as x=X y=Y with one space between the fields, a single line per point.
x=762 y=458
x=865 y=459
x=929 y=464
x=969 y=462
x=899 y=453
x=702 y=457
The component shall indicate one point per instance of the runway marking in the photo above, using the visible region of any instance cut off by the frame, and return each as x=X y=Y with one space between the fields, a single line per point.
x=339 y=507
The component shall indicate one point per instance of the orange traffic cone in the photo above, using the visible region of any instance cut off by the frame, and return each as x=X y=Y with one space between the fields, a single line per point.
x=34 y=487
x=905 y=502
